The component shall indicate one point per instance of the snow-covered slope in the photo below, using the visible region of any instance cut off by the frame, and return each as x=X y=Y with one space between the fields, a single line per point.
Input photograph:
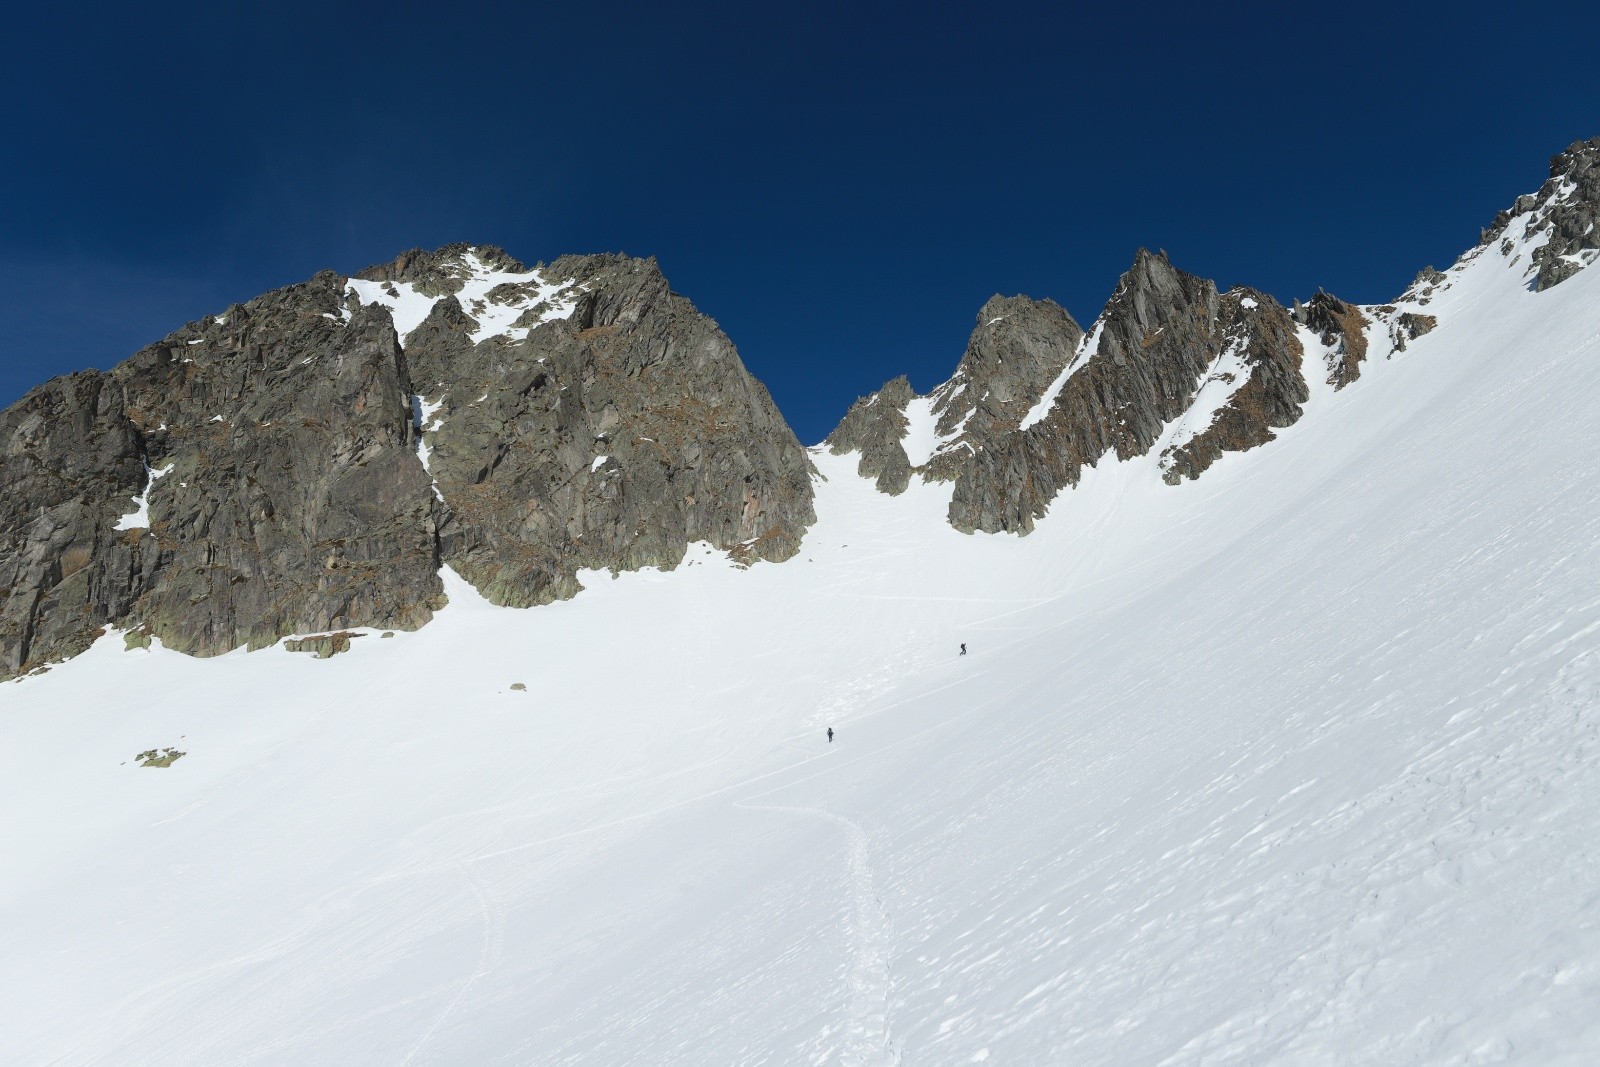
x=1298 y=763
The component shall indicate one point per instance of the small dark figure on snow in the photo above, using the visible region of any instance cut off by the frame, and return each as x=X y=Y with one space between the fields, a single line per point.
x=830 y=735
x=963 y=648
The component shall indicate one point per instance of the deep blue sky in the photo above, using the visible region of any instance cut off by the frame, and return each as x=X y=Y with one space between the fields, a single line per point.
x=840 y=186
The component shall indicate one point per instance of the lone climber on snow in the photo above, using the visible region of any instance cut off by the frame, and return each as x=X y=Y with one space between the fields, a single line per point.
x=963 y=648
x=830 y=735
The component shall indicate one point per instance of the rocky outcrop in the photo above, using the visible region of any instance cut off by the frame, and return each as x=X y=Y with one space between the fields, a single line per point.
x=1410 y=325
x=1260 y=375
x=1172 y=365
x=1343 y=330
x=1016 y=352
x=1566 y=210
x=296 y=466
x=70 y=462
x=1161 y=333
x=1170 y=362
x=608 y=426
x=875 y=427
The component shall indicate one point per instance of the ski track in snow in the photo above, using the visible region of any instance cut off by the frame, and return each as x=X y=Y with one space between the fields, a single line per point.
x=493 y=937
x=869 y=1040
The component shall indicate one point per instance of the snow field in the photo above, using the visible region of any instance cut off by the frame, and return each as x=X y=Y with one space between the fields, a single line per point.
x=1296 y=763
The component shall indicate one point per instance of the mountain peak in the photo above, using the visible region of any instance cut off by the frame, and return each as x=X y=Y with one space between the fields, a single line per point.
x=1562 y=219
x=334 y=444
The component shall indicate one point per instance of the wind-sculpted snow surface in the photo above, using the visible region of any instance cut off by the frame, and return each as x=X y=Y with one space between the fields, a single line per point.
x=1297 y=763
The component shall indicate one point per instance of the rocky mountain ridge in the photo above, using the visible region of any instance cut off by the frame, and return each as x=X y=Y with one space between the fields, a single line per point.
x=311 y=459
x=1172 y=365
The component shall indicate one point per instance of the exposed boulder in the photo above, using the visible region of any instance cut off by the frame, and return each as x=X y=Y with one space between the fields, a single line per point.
x=1410 y=325
x=323 y=646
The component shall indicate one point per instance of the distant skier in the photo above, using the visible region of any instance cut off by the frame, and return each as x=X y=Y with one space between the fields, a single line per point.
x=963 y=648
x=830 y=735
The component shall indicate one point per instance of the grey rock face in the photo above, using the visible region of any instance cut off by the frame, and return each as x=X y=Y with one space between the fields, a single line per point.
x=875 y=426
x=70 y=462
x=1567 y=208
x=294 y=501
x=290 y=497
x=609 y=438
x=1159 y=335
x=1015 y=353
x=289 y=492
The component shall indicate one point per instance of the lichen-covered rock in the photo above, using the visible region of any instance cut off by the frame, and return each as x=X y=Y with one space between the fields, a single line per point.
x=322 y=646
x=1343 y=330
x=296 y=465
